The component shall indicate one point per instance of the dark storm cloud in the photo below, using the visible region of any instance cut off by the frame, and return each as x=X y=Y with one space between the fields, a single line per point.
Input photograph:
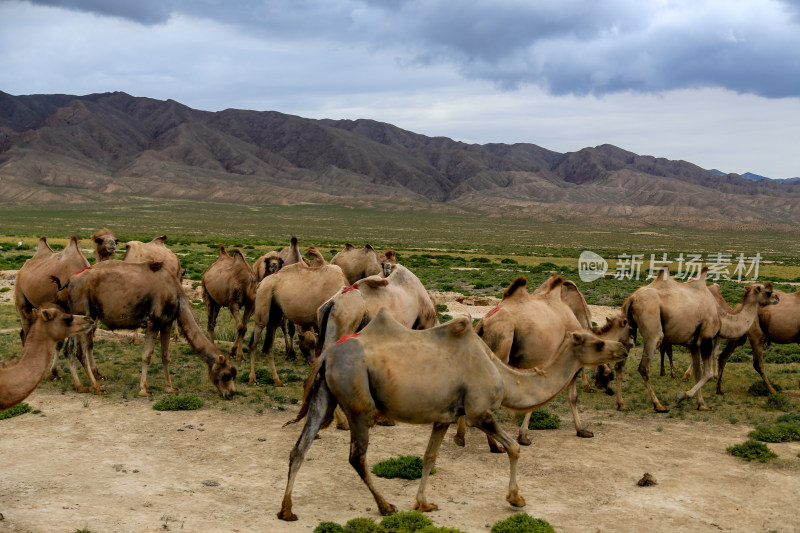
x=563 y=46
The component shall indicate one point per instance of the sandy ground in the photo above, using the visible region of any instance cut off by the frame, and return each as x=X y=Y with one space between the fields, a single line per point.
x=120 y=466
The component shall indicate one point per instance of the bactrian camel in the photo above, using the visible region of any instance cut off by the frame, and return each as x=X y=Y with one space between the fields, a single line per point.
x=295 y=293
x=34 y=288
x=48 y=327
x=688 y=315
x=526 y=330
x=124 y=295
x=358 y=263
x=432 y=376
x=230 y=282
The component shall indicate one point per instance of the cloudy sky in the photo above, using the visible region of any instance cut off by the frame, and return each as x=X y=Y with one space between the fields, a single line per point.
x=714 y=82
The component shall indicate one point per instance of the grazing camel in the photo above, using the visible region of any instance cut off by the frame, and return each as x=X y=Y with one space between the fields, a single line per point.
x=432 y=376
x=687 y=314
x=778 y=324
x=295 y=293
x=123 y=295
x=358 y=263
x=49 y=326
x=230 y=282
x=526 y=330
x=34 y=288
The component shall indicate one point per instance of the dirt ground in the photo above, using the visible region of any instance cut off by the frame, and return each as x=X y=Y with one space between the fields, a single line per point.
x=88 y=463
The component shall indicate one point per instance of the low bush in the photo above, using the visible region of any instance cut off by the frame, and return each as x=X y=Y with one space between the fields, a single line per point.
x=779 y=432
x=328 y=527
x=181 y=402
x=752 y=450
x=522 y=523
x=405 y=467
x=19 y=409
x=779 y=402
x=362 y=525
x=543 y=420
x=406 y=522
x=758 y=388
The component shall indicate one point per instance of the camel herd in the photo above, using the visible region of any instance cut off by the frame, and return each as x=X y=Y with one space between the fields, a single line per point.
x=370 y=332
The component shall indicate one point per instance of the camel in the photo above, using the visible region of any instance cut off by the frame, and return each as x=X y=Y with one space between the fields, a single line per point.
x=687 y=314
x=319 y=259
x=778 y=323
x=526 y=330
x=432 y=376
x=123 y=295
x=230 y=282
x=358 y=263
x=49 y=326
x=295 y=293
x=33 y=285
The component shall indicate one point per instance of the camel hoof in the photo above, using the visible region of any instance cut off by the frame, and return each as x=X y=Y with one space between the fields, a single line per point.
x=287 y=515
x=622 y=407
x=170 y=389
x=82 y=389
x=387 y=509
x=680 y=397
x=703 y=407
x=425 y=507
x=524 y=440
x=585 y=434
x=279 y=383
x=610 y=392
x=587 y=388
x=660 y=409
x=516 y=500
x=98 y=391
x=145 y=393
x=387 y=422
x=291 y=357
x=343 y=427
x=98 y=376
x=497 y=449
x=459 y=440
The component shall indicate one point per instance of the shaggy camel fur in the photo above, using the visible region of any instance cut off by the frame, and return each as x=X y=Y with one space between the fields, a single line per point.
x=778 y=323
x=49 y=327
x=358 y=263
x=526 y=330
x=123 y=295
x=433 y=377
x=230 y=282
x=294 y=293
x=688 y=315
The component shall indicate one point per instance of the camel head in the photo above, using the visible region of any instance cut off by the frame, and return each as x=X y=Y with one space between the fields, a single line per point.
x=387 y=262
x=591 y=350
x=105 y=244
x=617 y=328
x=763 y=293
x=59 y=325
x=222 y=374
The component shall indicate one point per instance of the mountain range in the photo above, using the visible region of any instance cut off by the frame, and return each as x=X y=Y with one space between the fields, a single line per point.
x=114 y=147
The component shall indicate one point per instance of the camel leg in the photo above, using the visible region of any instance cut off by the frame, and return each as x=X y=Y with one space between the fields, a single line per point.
x=585 y=381
x=757 y=346
x=572 y=392
x=359 y=441
x=236 y=349
x=70 y=348
x=666 y=349
x=319 y=415
x=241 y=332
x=85 y=343
x=288 y=338
x=437 y=435
x=213 y=313
x=523 y=437
x=149 y=345
x=269 y=339
x=165 y=335
x=648 y=350
x=341 y=419
x=487 y=423
x=461 y=432
x=730 y=347
x=703 y=371
x=619 y=368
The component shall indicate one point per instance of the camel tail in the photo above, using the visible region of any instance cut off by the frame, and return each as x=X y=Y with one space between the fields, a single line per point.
x=323 y=313
x=627 y=311
x=314 y=385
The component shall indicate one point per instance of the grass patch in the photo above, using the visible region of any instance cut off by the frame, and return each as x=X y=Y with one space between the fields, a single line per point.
x=405 y=522
x=752 y=450
x=405 y=467
x=19 y=409
x=522 y=523
x=541 y=419
x=181 y=402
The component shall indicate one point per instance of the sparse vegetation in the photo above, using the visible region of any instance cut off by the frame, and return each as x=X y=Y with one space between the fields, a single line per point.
x=522 y=523
x=19 y=409
x=405 y=467
x=181 y=402
x=541 y=419
x=406 y=522
x=752 y=450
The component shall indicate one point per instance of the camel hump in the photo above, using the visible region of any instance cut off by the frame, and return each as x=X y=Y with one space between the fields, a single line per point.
x=293 y=240
x=663 y=273
x=221 y=251
x=239 y=255
x=517 y=284
x=73 y=241
x=348 y=246
x=155 y=266
x=459 y=326
x=369 y=248
x=390 y=256
x=374 y=282
x=161 y=239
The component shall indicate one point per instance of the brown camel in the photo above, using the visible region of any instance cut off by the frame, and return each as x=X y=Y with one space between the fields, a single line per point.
x=230 y=282
x=358 y=263
x=778 y=324
x=34 y=288
x=526 y=331
x=433 y=377
x=294 y=293
x=49 y=326
x=124 y=295
x=687 y=314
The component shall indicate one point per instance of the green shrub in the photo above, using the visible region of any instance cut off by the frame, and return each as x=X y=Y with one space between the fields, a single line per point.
x=264 y=376
x=752 y=450
x=543 y=420
x=779 y=402
x=181 y=402
x=758 y=388
x=405 y=467
x=406 y=522
x=328 y=527
x=793 y=418
x=362 y=525
x=5 y=289
x=436 y=529
x=780 y=432
x=522 y=523
x=19 y=409
x=509 y=261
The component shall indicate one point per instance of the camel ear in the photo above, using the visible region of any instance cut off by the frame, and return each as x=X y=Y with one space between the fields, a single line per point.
x=624 y=322
x=47 y=314
x=577 y=337
x=221 y=359
x=608 y=319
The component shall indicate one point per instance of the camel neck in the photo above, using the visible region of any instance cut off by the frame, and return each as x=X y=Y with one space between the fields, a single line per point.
x=194 y=333
x=735 y=324
x=19 y=380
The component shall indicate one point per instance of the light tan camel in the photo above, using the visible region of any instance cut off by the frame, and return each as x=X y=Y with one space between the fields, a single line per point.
x=34 y=288
x=526 y=331
x=318 y=258
x=295 y=293
x=230 y=282
x=49 y=326
x=687 y=314
x=433 y=377
x=617 y=328
x=778 y=324
x=358 y=263
x=123 y=295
